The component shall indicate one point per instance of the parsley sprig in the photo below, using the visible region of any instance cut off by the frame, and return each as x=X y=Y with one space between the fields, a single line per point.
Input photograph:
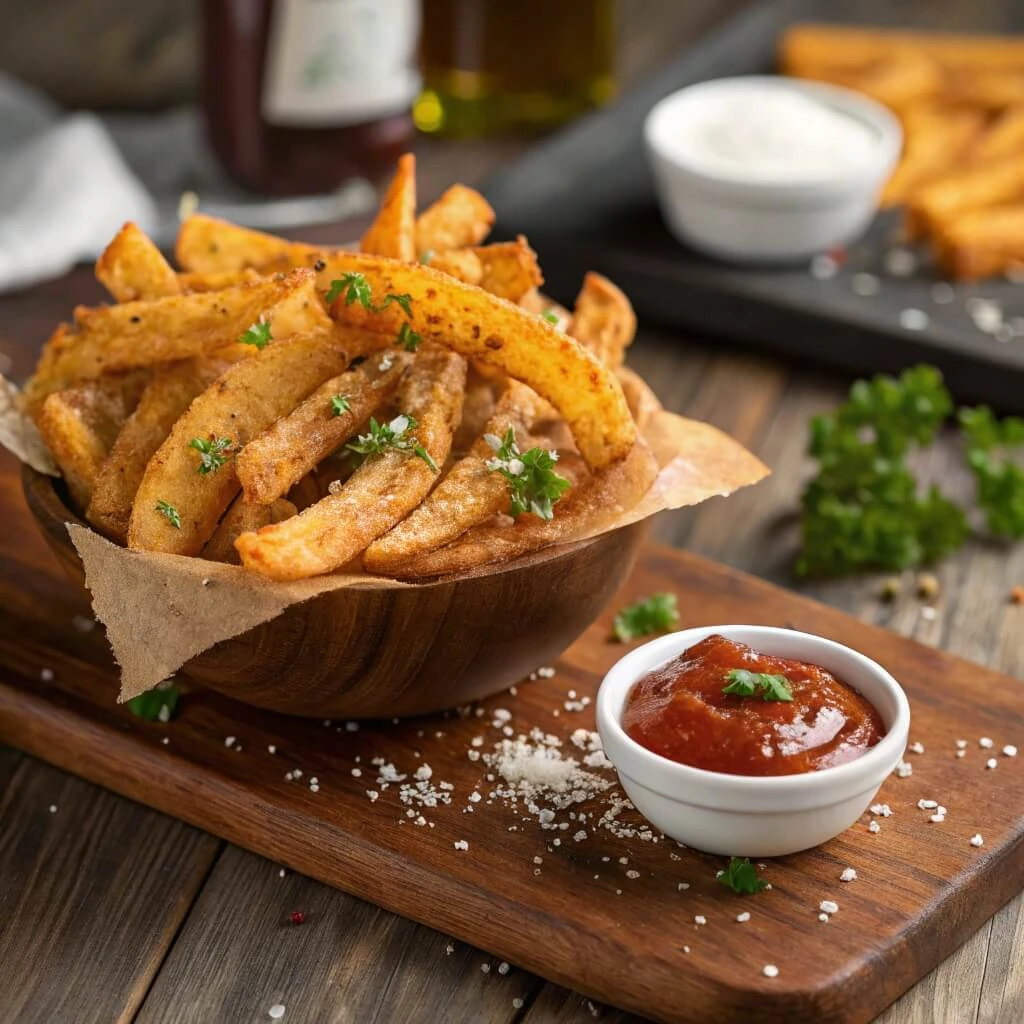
x=550 y=315
x=742 y=683
x=655 y=614
x=533 y=484
x=395 y=436
x=156 y=705
x=741 y=876
x=340 y=404
x=1000 y=480
x=213 y=452
x=169 y=512
x=354 y=287
x=258 y=334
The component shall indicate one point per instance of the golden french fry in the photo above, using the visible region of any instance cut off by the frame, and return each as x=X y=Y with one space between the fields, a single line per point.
x=240 y=404
x=981 y=243
x=992 y=90
x=971 y=188
x=112 y=338
x=603 y=320
x=393 y=232
x=461 y=263
x=847 y=46
x=1004 y=137
x=79 y=426
x=192 y=283
x=495 y=333
x=935 y=139
x=165 y=399
x=132 y=267
x=594 y=499
x=385 y=488
x=506 y=269
x=274 y=461
x=460 y=218
x=896 y=79
x=477 y=408
x=244 y=517
x=208 y=245
x=470 y=492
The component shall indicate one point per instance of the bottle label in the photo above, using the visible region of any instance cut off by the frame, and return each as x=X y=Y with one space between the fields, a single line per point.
x=339 y=62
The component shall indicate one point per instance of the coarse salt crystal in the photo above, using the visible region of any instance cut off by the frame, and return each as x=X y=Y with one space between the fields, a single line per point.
x=424 y=772
x=745 y=916
x=373 y=795
x=700 y=919
x=683 y=886
x=271 y=749
x=848 y=875
x=976 y=840
x=770 y=971
x=881 y=810
x=1009 y=750
x=449 y=949
x=916 y=748
x=503 y=967
x=823 y=918
x=961 y=744
x=991 y=763
x=632 y=874
x=314 y=788
x=357 y=772
x=828 y=907
x=927 y=805
x=904 y=770
x=276 y=1012
x=461 y=844
x=937 y=819
x=53 y=808
x=485 y=968
x=961 y=753
x=46 y=675
x=873 y=826
x=166 y=740
x=351 y=727
x=985 y=743
x=546 y=672
x=517 y=1003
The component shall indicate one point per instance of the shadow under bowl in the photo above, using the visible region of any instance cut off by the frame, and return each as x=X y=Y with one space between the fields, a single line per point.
x=391 y=649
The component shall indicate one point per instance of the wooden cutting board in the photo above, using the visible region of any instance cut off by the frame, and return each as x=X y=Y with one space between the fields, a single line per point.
x=604 y=915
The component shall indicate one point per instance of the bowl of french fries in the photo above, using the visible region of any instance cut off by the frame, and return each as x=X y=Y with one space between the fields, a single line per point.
x=960 y=99
x=372 y=481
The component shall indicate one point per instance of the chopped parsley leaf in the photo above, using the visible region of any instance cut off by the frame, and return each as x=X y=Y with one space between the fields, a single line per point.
x=550 y=315
x=258 y=334
x=211 y=452
x=156 y=705
x=533 y=484
x=656 y=614
x=741 y=876
x=394 y=435
x=747 y=684
x=409 y=339
x=340 y=404
x=170 y=513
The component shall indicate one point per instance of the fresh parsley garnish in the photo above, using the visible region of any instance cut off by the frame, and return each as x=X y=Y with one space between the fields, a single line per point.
x=741 y=876
x=747 y=684
x=394 y=435
x=533 y=484
x=212 y=452
x=340 y=404
x=655 y=614
x=999 y=480
x=156 y=705
x=863 y=508
x=409 y=339
x=550 y=315
x=258 y=334
x=170 y=513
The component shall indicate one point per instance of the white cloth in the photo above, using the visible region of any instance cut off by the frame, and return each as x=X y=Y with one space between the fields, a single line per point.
x=64 y=188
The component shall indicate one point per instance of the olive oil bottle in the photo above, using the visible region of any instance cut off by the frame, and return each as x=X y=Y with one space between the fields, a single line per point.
x=494 y=66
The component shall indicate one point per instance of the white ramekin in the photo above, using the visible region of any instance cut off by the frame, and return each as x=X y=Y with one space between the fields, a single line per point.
x=754 y=221
x=746 y=816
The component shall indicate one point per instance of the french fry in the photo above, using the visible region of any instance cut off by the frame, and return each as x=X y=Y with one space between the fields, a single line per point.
x=991 y=90
x=241 y=403
x=274 y=461
x=79 y=426
x=393 y=232
x=192 y=283
x=132 y=267
x=1004 y=137
x=244 y=517
x=971 y=188
x=981 y=243
x=385 y=488
x=469 y=494
x=593 y=500
x=461 y=263
x=112 y=338
x=497 y=334
x=846 y=46
x=897 y=79
x=935 y=139
x=165 y=399
x=460 y=218
x=603 y=320
x=507 y=269
x=208 y=245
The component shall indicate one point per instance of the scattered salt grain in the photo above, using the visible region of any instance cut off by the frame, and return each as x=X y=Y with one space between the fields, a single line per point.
x=683 y=886
x=700 y=919
x=881 y=810
x=976 y=840
x=460 y=844
x=873 y=826
x=46 y=675
x=937 y=819
x=904 y=770
x=373 y=795
x=424 y=772
x=928 y=613
x=848 y=875
x=631 y=873
x=281 y=873
x=449 y=949
x=864 y=284
x=166 y=740
x=770 y=971
x=823 y=918
x=927 y=805
x=828 y=907
x=546 y=672
x=503 y=967
x=961 y=753
x=1009 y=750
x=916 y=748
x=53 y=808
x=742 y=918
x=517 y=1003
x=961 y=744
x=485 y=968
x=276 y=1012
x=271 y=749
x=229 y=741
x=985 y=743
x=357 y=772
x=991 y=763
x=913 y=319
x=351 y=727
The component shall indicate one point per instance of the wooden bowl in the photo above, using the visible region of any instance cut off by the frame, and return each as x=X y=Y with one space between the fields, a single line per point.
x=397 y=650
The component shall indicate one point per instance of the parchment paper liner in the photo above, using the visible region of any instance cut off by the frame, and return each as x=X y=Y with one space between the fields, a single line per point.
x=162 y=610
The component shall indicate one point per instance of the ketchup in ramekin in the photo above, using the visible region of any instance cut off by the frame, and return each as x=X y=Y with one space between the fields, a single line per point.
x=683 y=712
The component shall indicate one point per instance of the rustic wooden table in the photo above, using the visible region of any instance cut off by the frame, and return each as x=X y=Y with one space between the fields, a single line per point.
x=110 y=911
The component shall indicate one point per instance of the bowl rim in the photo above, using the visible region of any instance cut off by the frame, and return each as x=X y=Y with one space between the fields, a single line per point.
x=833 y=782
x=47 y=501
x=862 y=108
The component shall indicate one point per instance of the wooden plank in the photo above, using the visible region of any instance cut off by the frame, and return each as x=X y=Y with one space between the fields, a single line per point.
x=923 y=888
x=94 y=889
x=348 y=960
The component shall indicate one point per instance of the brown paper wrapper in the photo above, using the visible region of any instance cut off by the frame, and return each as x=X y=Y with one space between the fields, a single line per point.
x=162 y=610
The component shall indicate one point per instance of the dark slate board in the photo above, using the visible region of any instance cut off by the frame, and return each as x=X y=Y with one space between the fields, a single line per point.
x=585 y=199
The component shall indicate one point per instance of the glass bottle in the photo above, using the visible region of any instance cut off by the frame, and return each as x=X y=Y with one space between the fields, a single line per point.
x=491 y=65
x=300 y=95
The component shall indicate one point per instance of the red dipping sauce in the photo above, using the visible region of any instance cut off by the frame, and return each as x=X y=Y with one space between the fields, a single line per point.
x=680 y=712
